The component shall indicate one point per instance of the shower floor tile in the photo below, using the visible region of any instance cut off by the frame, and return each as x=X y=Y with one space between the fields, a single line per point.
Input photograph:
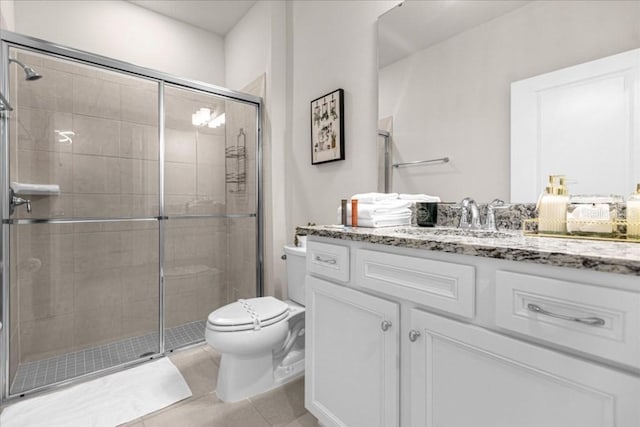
x=43 y=372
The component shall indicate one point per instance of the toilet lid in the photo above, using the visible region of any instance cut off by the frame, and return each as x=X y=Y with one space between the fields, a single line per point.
x=247 y=314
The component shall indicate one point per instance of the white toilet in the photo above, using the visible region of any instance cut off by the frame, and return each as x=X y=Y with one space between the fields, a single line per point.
x=261 y=339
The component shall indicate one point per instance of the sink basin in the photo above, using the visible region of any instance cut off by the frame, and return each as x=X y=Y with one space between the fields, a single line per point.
x=449 y=231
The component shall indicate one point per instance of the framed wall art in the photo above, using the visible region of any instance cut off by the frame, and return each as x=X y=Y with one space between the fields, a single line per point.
x=327 y=128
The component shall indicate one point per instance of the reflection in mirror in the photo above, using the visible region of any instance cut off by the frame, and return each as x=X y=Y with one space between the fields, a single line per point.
x=580 y=121
x=445 y=75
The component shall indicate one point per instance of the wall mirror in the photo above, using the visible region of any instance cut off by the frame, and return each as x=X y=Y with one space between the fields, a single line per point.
x=446 y=70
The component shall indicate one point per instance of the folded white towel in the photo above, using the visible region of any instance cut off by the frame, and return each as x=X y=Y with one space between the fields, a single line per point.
x=401 y=215
x=374 y=197
x=419 y=198
x=368 y=210
x=384 y=222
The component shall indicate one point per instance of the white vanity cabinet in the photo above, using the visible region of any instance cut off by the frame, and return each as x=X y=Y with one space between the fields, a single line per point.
x=351 y=356
x=458 y=351
x=463 y=375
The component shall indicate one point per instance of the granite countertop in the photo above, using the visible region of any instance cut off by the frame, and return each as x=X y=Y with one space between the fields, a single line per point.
x=606 y=256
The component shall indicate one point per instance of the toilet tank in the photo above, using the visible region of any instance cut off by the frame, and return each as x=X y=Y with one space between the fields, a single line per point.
x=296 y=265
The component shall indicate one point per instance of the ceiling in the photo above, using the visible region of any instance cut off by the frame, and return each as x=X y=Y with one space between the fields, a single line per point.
x=216 y=16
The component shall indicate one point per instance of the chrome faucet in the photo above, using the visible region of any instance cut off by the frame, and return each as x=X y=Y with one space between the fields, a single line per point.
x=17 y=201
x=490 y=223
x=468 y=205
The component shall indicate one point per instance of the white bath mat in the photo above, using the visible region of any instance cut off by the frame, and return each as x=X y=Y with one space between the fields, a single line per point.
x=103 y=402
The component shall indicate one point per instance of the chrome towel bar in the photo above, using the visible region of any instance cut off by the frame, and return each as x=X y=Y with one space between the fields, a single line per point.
x=421 y=162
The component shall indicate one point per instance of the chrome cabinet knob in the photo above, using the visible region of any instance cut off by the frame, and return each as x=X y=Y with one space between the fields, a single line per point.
x=385 y=325
x=413 y=335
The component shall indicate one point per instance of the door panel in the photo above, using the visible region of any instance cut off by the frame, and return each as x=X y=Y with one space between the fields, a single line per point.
x=351 y=363
x=463 y=375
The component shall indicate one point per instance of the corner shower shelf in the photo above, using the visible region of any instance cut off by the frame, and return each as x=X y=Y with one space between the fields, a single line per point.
x=236 y=163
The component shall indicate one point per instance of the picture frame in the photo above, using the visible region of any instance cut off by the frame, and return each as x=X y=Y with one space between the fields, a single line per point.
x=327 y=128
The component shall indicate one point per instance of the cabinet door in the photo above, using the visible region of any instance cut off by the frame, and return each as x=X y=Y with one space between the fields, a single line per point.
x=351 y=360
x=462 y=376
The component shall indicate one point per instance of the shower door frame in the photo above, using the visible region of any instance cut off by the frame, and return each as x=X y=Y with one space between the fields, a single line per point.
x=10 y=39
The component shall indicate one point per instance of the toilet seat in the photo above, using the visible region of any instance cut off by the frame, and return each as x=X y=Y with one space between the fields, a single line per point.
x=248 y=314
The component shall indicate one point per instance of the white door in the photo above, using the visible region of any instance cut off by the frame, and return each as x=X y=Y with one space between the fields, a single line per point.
x=465 y=376
x=352 y=344
x=582 y=122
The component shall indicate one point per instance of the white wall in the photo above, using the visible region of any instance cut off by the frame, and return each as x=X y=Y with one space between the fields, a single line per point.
x=258 y=45
x=7 y=15
x=334 y=46
x=127 y=32
x=453 y=99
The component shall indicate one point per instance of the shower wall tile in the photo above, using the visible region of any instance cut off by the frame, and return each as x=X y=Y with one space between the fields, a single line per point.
x=206 y=294
x=53 y=92
x=46 y=206
x=98 y=251
x=210 y=149
x=96 y=326
x=70 y=68
x=45 y=337
x=96 y=97
x=45 y=167
x=95 y=135
x=241 y=263
x=41 y=256
x=210 y=183
x=143 y=246
x=36 y=129
x=195 y=257
x=180 y=178
x=138 y=141
x=139 y=317
x=29 y=59
x=98 y=288
x=97 y=205
x=176 y=204
x=138 y=176
x=140 y=282
x=139 y=205
x=180 y=145
x=96 y=174
x=139 y=104
x=45 y=298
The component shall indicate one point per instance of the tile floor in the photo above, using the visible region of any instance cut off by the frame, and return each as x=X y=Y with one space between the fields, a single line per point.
x=282 y=407
x=42 y=372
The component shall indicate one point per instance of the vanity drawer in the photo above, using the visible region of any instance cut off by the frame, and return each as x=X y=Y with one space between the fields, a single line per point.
x=595 y=320
x=328 y=260
x=445 y=286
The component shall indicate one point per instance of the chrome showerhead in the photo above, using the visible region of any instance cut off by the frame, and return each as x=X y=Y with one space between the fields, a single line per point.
x=30 y=73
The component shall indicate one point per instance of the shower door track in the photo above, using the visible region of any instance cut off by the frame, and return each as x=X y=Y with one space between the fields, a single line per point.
x=10 y=39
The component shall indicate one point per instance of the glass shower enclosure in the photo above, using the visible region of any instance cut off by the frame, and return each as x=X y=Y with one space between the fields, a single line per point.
x=130 y=210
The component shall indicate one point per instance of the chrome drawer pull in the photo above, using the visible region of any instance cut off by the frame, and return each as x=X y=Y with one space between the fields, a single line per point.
x=591 y=321
x=331 y=261
x=413 y=335
x=385 y=325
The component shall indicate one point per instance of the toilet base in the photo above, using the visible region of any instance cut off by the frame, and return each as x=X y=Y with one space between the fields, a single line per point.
x=240 y=378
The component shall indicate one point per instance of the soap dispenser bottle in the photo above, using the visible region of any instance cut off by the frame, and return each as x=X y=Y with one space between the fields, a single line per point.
x=552 y=207
x=633 y=214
